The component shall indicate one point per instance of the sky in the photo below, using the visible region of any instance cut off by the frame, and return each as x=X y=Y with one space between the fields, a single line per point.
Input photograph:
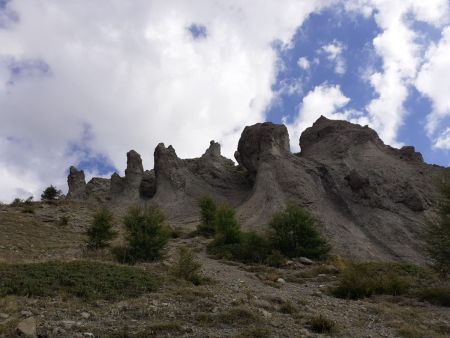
x=82 y=82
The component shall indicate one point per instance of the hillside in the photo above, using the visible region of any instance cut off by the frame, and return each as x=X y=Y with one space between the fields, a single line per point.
x=373 y=200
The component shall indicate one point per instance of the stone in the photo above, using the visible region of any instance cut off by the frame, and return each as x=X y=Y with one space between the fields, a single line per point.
x=4 y=316
x=266 y=314
x=306 y=261
x=77 y=184
x=281 y=281
x=26 y=313
x=27 y=327
x=85 y=315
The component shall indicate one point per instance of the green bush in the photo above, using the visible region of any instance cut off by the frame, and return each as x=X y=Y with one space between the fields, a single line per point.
x=251 y=248
x=146 y=235
x=64 y=220
x=17 y=202
x=81 y=279
x=438 y=233
x=226 y=226
x=187 y=267
x=208 y=210
x=321 y=324
x=293 y=232
x=275 y=259
x=437 y=296
x=362 y=280
x=100 y=232
x=51 y=194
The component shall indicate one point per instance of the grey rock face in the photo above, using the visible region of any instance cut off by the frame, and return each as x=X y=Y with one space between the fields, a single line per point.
x=259 y=142
x=372 y=200
x=77 y=183
x=147 y=189
x=134 y=170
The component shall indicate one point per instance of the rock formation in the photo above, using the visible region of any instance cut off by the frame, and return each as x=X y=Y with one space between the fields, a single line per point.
x=372 y=200
x=77 y=184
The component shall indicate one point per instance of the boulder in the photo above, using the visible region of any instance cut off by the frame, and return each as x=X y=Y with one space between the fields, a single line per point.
x=27 y=328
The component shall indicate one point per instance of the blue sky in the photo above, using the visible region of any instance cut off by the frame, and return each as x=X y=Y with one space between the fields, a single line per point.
x=83 y=82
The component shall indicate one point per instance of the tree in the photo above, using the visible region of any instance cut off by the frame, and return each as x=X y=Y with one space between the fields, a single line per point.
x=293 y=232
x=226 y=226
x=100 y=232
x=51 y=194
x=208 y=211
x=146 y=235
x=438 y=233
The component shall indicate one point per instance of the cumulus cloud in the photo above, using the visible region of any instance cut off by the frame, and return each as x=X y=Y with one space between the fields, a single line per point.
x=432 y=82
x=303 y=63
x=443 y=141
x=134 y=73
x=334 y=53
x=401 y=53
x=326 y=100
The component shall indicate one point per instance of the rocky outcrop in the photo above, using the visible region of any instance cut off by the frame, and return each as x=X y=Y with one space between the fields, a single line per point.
x=261 y=142
x=129 y=187
x=77 y=184
x=372 y=200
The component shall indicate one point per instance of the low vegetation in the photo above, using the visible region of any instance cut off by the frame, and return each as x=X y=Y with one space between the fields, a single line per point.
x=437 y=295
x=321 y=324
x=100 y=232
x=362 y=280
x=146 y=235
x=81 y=279
x=186 y=267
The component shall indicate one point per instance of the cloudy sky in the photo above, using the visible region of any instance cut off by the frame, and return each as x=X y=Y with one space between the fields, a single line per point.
x=82 y=81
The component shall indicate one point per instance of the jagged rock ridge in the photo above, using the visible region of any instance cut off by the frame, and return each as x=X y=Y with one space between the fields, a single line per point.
x=372 y=200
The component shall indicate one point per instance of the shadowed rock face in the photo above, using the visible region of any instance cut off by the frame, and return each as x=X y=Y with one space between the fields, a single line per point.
x=77 y=183
x=372 y=200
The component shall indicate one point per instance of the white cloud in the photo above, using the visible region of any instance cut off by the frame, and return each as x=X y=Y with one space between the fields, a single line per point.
x=443 y=141
x=324 y=100
x=402 y=54
x=334 y=53
x=303 y=63
x=131 y=70
x=434 y=80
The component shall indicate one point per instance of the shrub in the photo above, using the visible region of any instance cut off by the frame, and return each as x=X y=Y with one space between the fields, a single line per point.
x=251 y=248
x=100 y=232
x=187 y=267
x=226 y=226
x=17 y=202
x=437 y=296
x=64 y=220
x=82 y=279
x=207 y=215
x=362 y=280
x=275 y=259
x=438 y=234
x=146 y=235
x=294 y=234
x=51 y=194
x=321 y=324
